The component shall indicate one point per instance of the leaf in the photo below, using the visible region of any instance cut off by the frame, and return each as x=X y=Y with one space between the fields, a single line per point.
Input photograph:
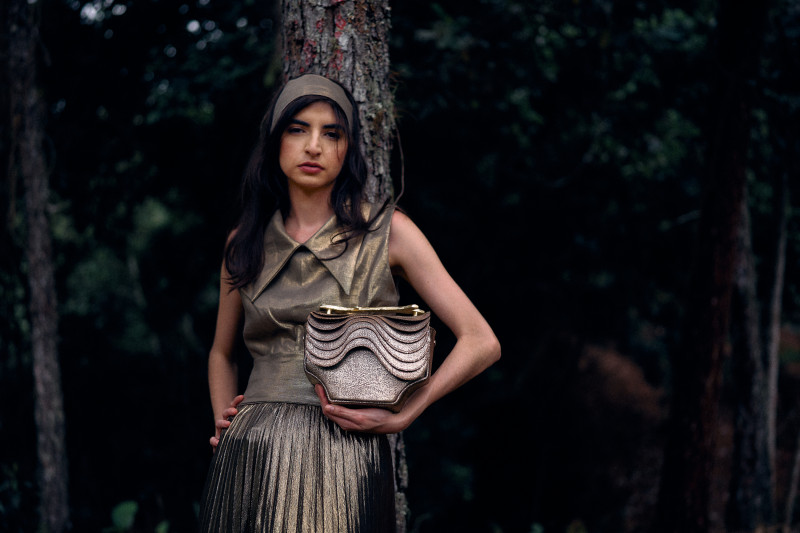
x=123 y=515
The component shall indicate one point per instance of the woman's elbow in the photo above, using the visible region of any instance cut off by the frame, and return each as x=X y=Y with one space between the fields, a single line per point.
x=492 y=350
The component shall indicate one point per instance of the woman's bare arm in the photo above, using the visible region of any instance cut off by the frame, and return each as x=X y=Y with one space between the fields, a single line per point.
x=222 y=370
x=476 y=348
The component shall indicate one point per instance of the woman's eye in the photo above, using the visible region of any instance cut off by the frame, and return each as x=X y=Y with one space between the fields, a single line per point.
x=334 y=135
x=294 y=129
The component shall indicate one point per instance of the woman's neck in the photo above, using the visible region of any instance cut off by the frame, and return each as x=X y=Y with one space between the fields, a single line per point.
x=307 y=214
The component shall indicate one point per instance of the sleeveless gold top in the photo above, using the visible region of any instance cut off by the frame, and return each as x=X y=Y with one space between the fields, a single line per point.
x=296 y=279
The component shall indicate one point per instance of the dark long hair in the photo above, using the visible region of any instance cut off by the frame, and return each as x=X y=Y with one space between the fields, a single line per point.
x=265 y=190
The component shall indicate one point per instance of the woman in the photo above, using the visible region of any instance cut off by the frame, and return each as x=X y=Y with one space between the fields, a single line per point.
x=290 y=460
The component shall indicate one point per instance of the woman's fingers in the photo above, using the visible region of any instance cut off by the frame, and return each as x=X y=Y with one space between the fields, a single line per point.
x=337 y=413
x=232 y=409
x=368 y=420
x=225 y=421
x=222 y=423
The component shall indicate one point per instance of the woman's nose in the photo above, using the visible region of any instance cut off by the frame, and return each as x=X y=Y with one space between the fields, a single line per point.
x=313 y=146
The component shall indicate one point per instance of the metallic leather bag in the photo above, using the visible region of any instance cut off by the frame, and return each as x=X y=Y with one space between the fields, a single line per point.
x=369 y=356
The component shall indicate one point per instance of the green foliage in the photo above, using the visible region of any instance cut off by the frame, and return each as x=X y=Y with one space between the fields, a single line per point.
x=10 y=493
x=123 y=516
x=598 y=102
x=577 y=138
x=153 y=109
x=461 y=477
x=14 y=312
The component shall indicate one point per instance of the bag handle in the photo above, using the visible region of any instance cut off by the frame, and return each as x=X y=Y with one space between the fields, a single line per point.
x=412 y=310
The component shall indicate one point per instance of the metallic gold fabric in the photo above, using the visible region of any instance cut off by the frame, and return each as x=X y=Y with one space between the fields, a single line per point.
x=297 y=279
x=282 y=466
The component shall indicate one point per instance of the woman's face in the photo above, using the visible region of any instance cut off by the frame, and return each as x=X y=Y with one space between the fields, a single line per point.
x=313 y=148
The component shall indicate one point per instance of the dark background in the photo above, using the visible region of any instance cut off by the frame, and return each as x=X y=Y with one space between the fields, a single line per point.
x=554 y=154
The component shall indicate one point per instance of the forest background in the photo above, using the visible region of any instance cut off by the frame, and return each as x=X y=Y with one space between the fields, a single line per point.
x=555 y=153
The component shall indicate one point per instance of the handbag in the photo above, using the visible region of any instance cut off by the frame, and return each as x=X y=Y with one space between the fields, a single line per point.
x=369 y=356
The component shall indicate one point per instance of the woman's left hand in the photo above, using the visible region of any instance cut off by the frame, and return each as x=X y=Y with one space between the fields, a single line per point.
x=368 y=419
x=225 y=421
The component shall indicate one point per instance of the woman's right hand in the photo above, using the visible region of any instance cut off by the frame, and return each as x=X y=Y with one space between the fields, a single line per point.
x=225 y=421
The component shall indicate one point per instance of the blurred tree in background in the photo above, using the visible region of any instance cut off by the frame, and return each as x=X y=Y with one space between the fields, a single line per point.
x=27 y=165
x=555 y=154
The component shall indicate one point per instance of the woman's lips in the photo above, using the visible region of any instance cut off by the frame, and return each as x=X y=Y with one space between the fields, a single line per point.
x=311 y=168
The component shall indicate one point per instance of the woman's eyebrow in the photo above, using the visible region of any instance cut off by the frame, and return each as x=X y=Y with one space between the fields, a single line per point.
x=324 y=126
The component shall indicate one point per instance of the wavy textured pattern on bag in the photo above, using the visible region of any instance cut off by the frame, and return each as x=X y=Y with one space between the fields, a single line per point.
x=368 y=360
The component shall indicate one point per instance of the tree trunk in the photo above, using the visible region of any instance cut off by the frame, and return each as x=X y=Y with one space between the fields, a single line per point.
x=27 y=116
x=751 y=503
x=773 y=325
x=348 y=40
x=685 y=493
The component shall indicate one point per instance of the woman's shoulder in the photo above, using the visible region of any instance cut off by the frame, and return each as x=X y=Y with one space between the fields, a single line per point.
x=401 y=222
x=406 y=240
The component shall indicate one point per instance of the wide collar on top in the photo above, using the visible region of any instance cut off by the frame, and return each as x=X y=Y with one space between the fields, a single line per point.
x=279 y=248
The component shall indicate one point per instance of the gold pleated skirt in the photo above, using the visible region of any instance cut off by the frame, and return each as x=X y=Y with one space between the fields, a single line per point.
x=284 y=467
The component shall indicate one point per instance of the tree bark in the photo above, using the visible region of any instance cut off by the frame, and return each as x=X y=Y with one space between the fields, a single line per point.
x=773 y=325
x=348 y=41
x=685 y=492
x=27 y=117
x=751 y=503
